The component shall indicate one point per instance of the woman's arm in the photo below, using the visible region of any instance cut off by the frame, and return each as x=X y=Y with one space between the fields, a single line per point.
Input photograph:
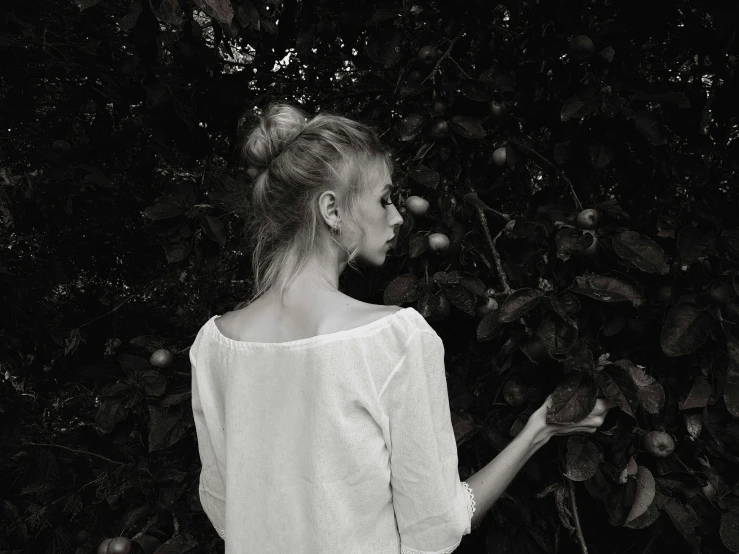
x=489 y=483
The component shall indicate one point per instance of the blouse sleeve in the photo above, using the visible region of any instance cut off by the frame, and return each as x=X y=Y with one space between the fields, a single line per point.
x=433 y=508
x=210 y=487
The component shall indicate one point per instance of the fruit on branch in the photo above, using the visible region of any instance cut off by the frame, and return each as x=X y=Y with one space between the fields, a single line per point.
x=515 y=393
x=581 y=47
x=161 y=358
x=497 y=109
x=61 y=146
x=417 y=206
x=438 y=128
x=120 y=545
x=487 y=306
x=252 y=172
x=428 y=55
x=499 y=156
x=414 y=77
x=659 y=444
x=438 y=242
x=439 y=107
x=588 y=219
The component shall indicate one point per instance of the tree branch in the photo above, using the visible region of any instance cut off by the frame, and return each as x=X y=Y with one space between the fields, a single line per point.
x=77 y=451
x=578 y=527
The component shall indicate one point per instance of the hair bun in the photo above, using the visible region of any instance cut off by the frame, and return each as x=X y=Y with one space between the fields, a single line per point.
x=275 y=129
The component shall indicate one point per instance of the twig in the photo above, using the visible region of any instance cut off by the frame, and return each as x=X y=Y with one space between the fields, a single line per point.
x=146 y=527
x=77 y=451
x=496 y=256
x=444 y=56
x=550 y=165
x=460 y=68
x=573 y=505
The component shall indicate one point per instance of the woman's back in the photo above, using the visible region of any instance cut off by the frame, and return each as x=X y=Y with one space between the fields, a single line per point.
x=338 y=442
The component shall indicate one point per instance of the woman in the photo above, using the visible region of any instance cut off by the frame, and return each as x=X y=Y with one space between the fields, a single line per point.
x=323 y=422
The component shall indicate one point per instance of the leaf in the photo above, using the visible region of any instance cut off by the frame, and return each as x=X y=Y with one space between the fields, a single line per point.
x=417 y=245
x=650 y=391
x=467 y=127
x=557 y=335
x=166 y=429
x=401 y=289
x=86 y=4
x=576 y=107
x=571 y=241
x=110 y=412
x=178 y=251
x=645 y=490
x=518 y=303
x=600 y=154
x=425 y=176
x=698 y=395
x=607 y=288
x=220 y=10
x=693 y=423
x=729 y=531
x=683 y=518
x=488 y=326
x=731 y=398
x=384 y=46
x=642 y=251
x=463 y=427
x=618 y=386
x=178 y=545
x=693 y=244
x=100 y=180
x=573 y=399
x=217 y=228
x=686 y=328
x=663 y=97
x=583 y=458
x=153 y=381
x=410 y=126
x=165 y=209
x=650 y=127
x=474 y=90
x=646 y=519
x=730 y=242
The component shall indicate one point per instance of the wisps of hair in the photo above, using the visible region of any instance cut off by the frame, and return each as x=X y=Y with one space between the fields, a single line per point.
x=298 y=159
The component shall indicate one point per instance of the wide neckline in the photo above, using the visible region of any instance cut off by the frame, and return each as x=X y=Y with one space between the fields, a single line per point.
x=316 y=339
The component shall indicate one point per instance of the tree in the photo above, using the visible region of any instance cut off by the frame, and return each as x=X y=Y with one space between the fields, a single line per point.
x=122 y=201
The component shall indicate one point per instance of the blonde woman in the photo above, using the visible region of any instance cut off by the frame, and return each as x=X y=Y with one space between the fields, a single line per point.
x=323 y=422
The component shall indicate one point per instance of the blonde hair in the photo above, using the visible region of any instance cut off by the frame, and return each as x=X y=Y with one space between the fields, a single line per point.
x=298 y=159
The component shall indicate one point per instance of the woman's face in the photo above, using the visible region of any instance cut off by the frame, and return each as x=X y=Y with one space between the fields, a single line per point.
x=382 y=218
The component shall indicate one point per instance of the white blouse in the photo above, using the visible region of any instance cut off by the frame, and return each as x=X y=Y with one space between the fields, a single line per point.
x=335 y=444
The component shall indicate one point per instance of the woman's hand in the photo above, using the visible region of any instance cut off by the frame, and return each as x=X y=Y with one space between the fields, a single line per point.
x=590 y=424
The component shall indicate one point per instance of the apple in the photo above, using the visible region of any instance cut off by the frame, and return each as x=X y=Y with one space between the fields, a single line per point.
x=438 y=242
x=439 y=107
x=498 y=109
x=161 y=358
x=486 y=307
x=414 y=77
x=588 y=219
x=444 y=307
x=61 y=146
x=103 y=546
x=120 y=545
x=581 y=47
x=536 y=350
x=515 y=393
x=591 y=250
x=659 y=444
x=499 y=156
x=428 y=55
x=438 y=128
x=722 y=293
x=417 y=205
